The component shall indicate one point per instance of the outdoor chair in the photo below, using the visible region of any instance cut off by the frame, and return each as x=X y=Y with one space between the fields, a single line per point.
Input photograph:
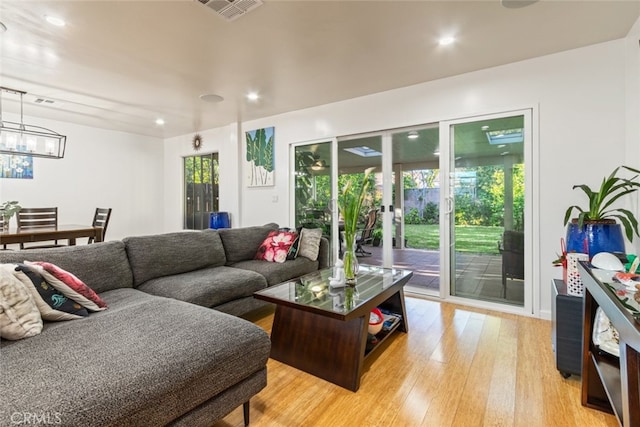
x=512 y=250
x=364 y=236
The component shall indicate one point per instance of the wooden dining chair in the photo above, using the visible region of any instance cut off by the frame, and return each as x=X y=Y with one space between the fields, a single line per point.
x=35 y=218
x=101 y=219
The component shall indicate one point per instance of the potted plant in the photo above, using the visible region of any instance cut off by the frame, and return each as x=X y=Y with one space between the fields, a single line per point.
x=8 y=210
x=596 y=229
x=376 y=236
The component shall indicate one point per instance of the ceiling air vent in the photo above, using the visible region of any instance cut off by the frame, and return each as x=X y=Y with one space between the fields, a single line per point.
x=43 y=101
x=231 y=9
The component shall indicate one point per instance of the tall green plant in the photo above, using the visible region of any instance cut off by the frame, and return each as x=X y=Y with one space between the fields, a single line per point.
x=350 y=202
x=600 y=207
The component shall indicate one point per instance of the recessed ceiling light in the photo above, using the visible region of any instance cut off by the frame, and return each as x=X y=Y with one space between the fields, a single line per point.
x=253 y=96
x=160 y=122
x=412 y=135
x=211 y=97
x=445 y=41
x=54 y=20
x=485 y=127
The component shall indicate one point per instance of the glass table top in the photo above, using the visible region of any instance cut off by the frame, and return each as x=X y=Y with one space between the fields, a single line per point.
x=313 y=290
x=627 y=294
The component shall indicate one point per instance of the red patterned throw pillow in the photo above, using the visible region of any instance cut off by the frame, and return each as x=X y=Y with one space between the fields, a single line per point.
x=276 y=246
x=87 y=296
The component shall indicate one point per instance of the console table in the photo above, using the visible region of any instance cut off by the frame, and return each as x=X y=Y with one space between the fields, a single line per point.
x=609 y=383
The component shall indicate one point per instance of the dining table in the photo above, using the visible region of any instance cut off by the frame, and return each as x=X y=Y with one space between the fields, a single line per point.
x=69 y=232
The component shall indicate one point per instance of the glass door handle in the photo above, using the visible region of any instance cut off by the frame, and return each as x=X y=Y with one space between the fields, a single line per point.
x=449 y=205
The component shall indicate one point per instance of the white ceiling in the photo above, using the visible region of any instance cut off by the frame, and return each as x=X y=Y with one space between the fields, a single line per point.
x=122 y=64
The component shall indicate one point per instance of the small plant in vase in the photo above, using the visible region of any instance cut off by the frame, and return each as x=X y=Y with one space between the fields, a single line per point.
x=350 y=203
x=8 y=210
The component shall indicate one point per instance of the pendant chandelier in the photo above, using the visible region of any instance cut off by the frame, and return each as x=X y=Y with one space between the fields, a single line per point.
x=28 y=140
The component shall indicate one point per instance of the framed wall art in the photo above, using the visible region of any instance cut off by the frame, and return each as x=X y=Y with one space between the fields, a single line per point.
x=14 y=166
x=260 y=157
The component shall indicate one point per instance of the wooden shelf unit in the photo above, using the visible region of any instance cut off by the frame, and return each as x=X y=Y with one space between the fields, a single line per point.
x=609 y=383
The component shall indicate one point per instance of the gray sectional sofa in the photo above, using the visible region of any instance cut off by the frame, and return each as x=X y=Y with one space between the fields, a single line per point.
x=159 y=355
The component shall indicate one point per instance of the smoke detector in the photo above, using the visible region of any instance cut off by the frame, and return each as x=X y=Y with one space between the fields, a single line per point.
x=231 y=10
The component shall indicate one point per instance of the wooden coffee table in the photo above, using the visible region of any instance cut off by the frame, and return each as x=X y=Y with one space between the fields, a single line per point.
x=323 y=330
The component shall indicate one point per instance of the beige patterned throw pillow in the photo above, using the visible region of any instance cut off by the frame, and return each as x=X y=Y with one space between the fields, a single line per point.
x=19 y=315
x=310 y=243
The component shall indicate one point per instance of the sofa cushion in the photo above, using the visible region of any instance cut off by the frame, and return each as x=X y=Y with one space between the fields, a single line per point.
x=295 y=246
x=53 y=305
x=276 y=246
x=19 y=315
x=68 y=291
x=207 y=287
x=173 y=253
x=276 y=273
x=241 y=244
x=310 y=243
x=102 y=266
x=145 y=361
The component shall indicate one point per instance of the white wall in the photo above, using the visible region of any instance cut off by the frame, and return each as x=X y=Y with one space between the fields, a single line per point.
x=633 y=113
x=101 y=168
x=580 y=99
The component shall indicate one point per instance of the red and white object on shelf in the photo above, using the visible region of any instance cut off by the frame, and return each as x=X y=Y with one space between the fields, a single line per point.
x=376 y=319
x=573 y=280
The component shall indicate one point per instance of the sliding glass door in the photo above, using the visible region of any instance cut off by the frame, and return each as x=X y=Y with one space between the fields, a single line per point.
x=416 y=200
x=449 y=201
x=313 y=186
x=484 y=208
x=399 y=220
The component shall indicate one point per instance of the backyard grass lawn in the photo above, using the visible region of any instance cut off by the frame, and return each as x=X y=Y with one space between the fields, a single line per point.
x=469 y=238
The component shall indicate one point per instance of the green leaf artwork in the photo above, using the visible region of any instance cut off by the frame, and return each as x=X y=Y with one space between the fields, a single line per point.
x=260 y=157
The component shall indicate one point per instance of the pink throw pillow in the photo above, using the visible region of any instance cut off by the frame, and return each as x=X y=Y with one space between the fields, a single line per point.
x=73 y=282
x=276 y=246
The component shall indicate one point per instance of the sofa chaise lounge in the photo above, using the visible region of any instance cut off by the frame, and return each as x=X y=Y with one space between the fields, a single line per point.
x=159 y=355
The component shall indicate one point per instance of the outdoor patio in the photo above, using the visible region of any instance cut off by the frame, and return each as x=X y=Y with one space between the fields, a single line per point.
x=479 y=275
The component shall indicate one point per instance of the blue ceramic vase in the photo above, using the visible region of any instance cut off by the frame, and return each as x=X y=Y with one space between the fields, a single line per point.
x=599 y=237
x=219 y=220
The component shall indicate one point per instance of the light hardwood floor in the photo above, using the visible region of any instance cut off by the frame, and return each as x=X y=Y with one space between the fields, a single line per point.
x=457 y=366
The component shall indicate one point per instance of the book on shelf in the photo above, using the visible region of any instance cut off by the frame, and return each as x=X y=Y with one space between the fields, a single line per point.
x=390 y=320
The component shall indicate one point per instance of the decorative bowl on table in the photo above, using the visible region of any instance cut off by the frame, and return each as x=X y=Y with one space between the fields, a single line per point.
x=376 y=320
